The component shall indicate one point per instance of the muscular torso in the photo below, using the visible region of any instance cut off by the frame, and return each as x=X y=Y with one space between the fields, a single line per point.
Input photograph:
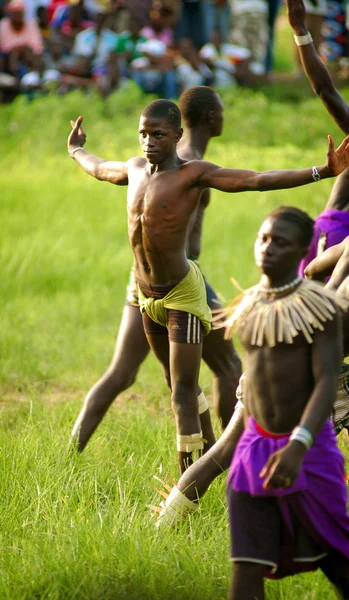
x=279 y=382
x=160 y=207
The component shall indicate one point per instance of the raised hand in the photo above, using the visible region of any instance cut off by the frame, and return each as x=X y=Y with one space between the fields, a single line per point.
x=296 y=14
x=77 y=135
x=338 y=160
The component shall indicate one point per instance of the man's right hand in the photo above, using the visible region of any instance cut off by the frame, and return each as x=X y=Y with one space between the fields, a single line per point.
x=77 y=136
x=296 y=16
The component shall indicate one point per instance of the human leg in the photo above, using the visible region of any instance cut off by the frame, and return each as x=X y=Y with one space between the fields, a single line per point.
x=209 y=19
x=222 y=359
x=184 y=368
x=336 y=569
x=131 y=350
x=196 y=480
x=247 y=582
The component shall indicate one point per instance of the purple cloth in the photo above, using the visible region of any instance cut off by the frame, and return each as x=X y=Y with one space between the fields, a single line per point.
x=318 y=497
x=335 y=224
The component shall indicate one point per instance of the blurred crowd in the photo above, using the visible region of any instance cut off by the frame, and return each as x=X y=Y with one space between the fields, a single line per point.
x=165 y=46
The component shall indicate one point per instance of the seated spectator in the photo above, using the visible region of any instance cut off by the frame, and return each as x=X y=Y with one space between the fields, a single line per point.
x=154 y=71
x=229 y=63
x=191 y=69
x=74 y=21
x=93 y=58
x=129 y=47
x=119 y=17
x=161 y=19
x=69 y=14
x=250 y=30
x=21 y=43
x=219 y=59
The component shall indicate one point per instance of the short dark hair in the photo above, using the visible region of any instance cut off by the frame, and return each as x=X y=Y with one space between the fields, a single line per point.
x=297 y=216
x=163 y=109
x=196 y=102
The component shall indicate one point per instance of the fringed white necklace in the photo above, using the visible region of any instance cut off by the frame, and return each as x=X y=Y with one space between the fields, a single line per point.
x=278 y=315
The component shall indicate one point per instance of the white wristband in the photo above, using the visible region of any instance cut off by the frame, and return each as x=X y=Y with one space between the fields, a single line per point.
x=315 y=174
x=302 y=435
x=303 y=40
x=71 y=154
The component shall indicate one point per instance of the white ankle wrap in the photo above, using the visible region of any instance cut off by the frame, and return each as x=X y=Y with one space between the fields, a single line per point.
x=190 y=443
x=175 y=507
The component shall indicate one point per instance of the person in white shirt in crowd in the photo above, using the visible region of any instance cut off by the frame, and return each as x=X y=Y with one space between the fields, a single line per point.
x=250 y=30
x=94 y=58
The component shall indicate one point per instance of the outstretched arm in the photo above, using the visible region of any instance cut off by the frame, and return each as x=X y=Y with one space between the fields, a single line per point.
x=236 y=180
x=318 y=75
x=323 y=265
x=100 y=168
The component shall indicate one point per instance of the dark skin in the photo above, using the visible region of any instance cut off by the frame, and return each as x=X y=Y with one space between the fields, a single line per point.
x=317 y=73
x=287 y=385
x=132 y=346
x=158 y=223
x=334 y=262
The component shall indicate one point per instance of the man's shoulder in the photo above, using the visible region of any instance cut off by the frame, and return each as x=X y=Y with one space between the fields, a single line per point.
x=137 y=162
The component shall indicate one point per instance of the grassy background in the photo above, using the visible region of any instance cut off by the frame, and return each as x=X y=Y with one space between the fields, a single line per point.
x=79 y=526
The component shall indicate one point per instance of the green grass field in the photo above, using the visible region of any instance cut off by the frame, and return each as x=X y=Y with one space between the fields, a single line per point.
x=79 y=527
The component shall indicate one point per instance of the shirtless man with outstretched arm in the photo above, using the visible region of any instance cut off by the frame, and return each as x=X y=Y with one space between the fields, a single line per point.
x=202 y=113
x=163 y=193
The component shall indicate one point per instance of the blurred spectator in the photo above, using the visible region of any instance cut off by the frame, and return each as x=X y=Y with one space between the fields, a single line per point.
x=228 y=63
x=191 y=69
x=316 y=11
x=43 y=23
x=159 y=28
x=216 y=17
x=21 y=43
x=190 y=23
x=129 y=47
x=334 y=45
x=250 y=30
x=119 y=17
x=69 y=15
x=32 y=7
x=72 y=20
x=52 y=7
x=273 y=11
x=154 y=71
x=93 y=58
x=140 y=9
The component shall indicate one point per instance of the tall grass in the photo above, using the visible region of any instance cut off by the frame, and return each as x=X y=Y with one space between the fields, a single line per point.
x=79 y=526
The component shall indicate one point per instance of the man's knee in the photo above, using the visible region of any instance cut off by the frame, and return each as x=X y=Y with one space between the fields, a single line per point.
x=184 y=400
x=117 y=380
